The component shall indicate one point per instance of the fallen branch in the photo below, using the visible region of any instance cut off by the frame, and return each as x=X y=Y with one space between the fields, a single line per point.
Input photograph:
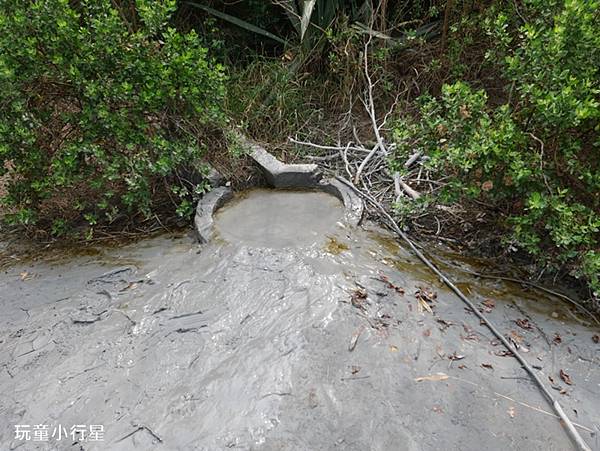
x=537 y=409
x=581 y=444
x=324 y=147
x=412 y=159
x=370 y=107
x=399 y=183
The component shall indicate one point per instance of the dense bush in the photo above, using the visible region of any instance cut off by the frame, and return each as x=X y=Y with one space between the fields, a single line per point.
x=538 y=155
x=102 y=106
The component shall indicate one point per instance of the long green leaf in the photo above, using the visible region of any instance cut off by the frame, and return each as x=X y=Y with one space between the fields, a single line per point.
x=239 y=22
x=307 y=10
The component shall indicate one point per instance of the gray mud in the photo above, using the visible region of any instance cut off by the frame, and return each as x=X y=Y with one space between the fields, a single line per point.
x=277 y=219
x=261 y=341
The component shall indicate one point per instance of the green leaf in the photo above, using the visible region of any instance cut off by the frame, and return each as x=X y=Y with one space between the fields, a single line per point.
x=239 y=22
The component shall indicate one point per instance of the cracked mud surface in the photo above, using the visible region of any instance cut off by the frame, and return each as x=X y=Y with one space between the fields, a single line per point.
x=240 y=345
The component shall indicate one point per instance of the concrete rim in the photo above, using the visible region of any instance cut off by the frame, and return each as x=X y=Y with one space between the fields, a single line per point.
x=279 y=175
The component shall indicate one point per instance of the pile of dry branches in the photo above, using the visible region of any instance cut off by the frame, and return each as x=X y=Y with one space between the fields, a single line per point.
x=367 y=163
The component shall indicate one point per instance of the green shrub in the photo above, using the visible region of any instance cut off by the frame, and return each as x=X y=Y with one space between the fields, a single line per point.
x=102 y=107
x=538 y=155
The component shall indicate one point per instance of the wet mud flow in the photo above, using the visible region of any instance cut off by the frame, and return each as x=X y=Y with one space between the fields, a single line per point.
x=288 y=331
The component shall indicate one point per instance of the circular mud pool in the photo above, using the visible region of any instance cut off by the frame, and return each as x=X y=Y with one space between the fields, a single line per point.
x=271 y=218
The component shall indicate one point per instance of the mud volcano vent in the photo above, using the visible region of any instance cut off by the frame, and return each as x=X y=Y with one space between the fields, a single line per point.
x=279 y=218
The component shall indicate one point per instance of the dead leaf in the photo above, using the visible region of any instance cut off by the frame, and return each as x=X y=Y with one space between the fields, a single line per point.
x=557 y=339
x=503 y=353
x=487 y=185
x=441 y=129
x=515 y=338
x=524 y=324
x=390 y=285
x=471 y=337
x=433 y=377
x=488 y=305
x=596 y=339
x=25 y=276
x=427 y=333
x=423 y=305
x=487 y=366
x=445 y=324
x=354 y=339
x=456 y=356
x=393 y=348
x=425 y=298
x=358 y=297
x=464 y=112
x=130 y=286
x=511 y=412
x=355 y=369
x=462 y=366
x=565 y=377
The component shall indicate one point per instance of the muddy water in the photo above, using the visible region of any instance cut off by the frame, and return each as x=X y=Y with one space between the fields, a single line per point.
x=262 y=341
x=278 y=219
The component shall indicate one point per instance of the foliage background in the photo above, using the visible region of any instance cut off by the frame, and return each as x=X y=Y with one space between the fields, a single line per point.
x=103 y=105
x=108 y=107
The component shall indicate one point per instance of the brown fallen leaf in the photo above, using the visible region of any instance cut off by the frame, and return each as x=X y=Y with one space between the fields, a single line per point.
x=130 y=286
x=390 y=285
x=464 y=113
x=433 y=377
x=515 y=338
x=445 y=324
x=393 y=348
x=596 y=338
x=425 y=298
x=462 y=366
x=557 y=339
x=487 y=365
x=565 y=377
x=487 y=185
x=423 y=305
x=503 y=353
x=358 y=297
x=456 y=356
x=355 y=369
x=524 y=324
x=470 y=337
x=488 y=305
